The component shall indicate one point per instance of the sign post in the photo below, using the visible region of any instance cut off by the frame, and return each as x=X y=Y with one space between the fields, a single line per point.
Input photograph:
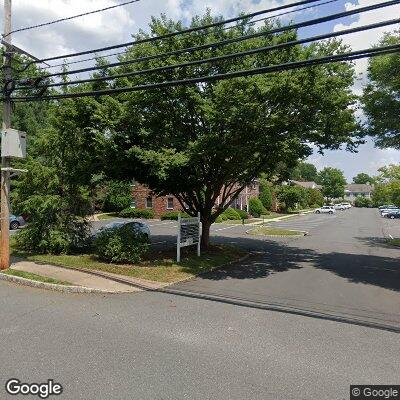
x=189 y=234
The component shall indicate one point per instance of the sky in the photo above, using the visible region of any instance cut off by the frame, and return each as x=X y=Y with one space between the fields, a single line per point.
x=117 y=26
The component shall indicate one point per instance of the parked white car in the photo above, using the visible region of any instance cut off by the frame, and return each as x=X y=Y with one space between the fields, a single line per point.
x=389 y=211
x=325 y=210
x=340 y=207
x=346 y=205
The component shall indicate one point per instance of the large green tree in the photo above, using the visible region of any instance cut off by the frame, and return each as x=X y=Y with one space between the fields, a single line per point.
x=381 y=96
x=55 y=193
x=363 y=178
x=305 y=172
x=205 y=142
x=333 y=182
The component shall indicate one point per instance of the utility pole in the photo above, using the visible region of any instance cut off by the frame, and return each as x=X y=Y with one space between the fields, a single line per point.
x=5 y=161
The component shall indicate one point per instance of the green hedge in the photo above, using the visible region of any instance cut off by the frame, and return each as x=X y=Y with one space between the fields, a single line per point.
x=121 y=245
x=231 y=214
x=256 y=207
x=243 y=214
x=220 y=218
x=173 y=215
x=136 y=213
x=361 y=201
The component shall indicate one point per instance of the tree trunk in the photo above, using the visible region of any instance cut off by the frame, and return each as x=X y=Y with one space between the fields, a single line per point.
x=205 y=234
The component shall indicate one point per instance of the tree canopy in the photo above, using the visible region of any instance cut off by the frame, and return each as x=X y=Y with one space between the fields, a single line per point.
x=363 y=178
x=305 y=172
x=381 y=98
x=333 y=182
x=204 y=143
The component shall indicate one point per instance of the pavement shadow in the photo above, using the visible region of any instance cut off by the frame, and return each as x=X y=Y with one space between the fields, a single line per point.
x=362 y=268
x=279 y=257
x=275 y=256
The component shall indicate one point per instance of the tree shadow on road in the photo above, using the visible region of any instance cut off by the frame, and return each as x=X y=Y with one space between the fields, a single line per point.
x=279 y=257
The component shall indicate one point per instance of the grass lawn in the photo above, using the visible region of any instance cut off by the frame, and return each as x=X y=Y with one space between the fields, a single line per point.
x=394 y=242
x=158 y=266
x=240 y=222
x=266 y=231
x=102 y=217
x=273 y=215
x=34 y=277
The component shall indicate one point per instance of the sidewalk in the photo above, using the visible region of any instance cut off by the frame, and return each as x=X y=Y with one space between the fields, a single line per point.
x=77 y=278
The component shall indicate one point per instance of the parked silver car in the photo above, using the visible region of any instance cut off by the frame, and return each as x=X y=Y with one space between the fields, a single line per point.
x=134 y=225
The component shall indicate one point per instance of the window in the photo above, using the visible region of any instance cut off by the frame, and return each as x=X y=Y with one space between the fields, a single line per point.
x=149 y=202
x=170 y=203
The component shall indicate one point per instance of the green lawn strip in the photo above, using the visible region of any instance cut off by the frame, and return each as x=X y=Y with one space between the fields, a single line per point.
x=273 y=215
x=240 y=222
x=159 y=267
x=266 y=231
x=102 y=217
x=394 y=242
x=34 y=277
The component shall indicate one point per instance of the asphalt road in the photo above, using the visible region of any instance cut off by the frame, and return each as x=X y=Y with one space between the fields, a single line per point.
x=343 y=268
x=162 y=346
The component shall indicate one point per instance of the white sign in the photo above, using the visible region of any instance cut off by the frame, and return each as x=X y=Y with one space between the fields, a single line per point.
x=13 y=143
x=189 y=233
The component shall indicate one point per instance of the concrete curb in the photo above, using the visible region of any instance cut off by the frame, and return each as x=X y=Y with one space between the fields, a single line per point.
x=140 y=285
x=50 y=286
x=282 y=218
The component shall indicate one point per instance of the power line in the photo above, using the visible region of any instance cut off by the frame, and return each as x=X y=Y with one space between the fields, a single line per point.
x=226 y=56
x=73 y=17
x=225 y=28
x=349 y=56
x=181 y=32
x=214 y=45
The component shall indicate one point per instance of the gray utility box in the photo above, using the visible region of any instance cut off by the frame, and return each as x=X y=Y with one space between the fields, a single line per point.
x=13 y=143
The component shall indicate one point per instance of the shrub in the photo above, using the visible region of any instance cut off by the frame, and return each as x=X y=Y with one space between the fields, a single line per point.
x=220 y=218
x=122 y=244
x=266 y=197
x=173 y=215
x=362 y=201
x=256 y=208
x=136 y=213
x=242 y=214
x=314 y=198
x=118 y=196
x=231 y=214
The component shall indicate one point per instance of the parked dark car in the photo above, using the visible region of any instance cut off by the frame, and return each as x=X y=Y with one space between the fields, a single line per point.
x=393 y=214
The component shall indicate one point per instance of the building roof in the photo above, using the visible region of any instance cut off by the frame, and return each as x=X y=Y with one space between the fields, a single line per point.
x=358 y=188
x=307 y=185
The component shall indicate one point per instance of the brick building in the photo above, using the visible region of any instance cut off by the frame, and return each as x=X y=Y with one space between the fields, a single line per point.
x=144 y=199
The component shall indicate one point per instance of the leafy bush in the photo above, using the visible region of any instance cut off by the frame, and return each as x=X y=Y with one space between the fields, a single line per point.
x=173 y=215
x=362 y=201
x=256 y=208
x=242 y=214
x=314 y=198
x=290 y=197
x=266 y=197
x=56 y=221
x=231 y=214
x=220 y=218
x=122 y=244
x=118 y=196
x=136 y=213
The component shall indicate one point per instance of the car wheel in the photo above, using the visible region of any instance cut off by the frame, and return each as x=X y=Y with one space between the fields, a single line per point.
x=392 y=217
x=331 y=212
x=14 y=225
x=317 y=212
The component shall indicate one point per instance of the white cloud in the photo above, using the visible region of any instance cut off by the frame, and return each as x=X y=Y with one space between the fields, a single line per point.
x=366 y=39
